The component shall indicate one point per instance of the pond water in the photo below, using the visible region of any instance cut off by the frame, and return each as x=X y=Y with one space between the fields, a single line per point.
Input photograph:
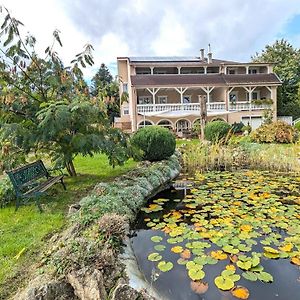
x=224 y=236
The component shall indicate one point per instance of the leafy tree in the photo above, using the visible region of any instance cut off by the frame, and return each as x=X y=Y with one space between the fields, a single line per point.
x=107 y=90
x=101 y=79
x=46 y=107
x=287 y=66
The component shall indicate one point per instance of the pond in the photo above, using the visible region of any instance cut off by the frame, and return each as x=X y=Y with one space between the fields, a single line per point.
x=222 y=235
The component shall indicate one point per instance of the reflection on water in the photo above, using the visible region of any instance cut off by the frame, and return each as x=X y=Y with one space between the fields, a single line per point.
x=247 y=191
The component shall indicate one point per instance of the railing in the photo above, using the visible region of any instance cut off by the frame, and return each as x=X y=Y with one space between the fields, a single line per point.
x=246 y=106
x=147 y=108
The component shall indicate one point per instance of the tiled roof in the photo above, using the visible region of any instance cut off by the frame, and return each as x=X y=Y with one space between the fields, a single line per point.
x=201 y=79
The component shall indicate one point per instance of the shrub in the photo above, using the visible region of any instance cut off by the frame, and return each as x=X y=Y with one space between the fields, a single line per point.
x=297 y=126
x=157 y=143
x=7 y=193
x=216 y=131
x=276 y=132
x=237 y=127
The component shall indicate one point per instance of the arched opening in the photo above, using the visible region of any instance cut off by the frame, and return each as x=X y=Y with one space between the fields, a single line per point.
x=166 y=124
x=144 y=123
x=183 y=125
x=218 y=119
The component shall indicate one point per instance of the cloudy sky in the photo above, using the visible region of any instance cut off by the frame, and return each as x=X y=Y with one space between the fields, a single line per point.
x=236 y=29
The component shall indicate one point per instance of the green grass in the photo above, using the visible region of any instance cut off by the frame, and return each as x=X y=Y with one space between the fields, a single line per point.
x=27 y=231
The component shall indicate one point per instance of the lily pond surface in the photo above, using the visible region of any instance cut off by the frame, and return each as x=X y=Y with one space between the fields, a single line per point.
x=226 y=236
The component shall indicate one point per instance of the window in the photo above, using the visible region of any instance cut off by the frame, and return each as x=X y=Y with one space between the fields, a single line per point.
x=165 y=123
x=145 y=100
x=187 y=98
x=162 y=99
x=125 y=87
x=255 y=95
x=126 y=111
x=252 y=71
x=182 y=125
x=144 y=124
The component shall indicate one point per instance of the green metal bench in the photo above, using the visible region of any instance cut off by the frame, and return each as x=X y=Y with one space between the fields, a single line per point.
x=31 y=181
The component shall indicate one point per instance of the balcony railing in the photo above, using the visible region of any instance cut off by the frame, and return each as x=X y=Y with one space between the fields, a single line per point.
x=147 y=108
x=213 y=106
x=240 y=106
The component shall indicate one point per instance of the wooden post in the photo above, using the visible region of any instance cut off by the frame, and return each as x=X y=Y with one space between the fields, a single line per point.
x=203 y=115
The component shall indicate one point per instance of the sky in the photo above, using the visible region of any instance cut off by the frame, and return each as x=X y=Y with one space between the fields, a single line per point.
x=236 y=29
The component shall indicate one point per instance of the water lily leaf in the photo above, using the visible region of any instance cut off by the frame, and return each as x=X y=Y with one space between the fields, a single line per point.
x=227 y=273
x=199 y=287
x=182 y=261
x=244 y=248
x=196 y=273
x=219 y=255
x=240 y=292
x=230 y=267
x=224 y=284
x=230 y=249
x=295 y=260
x=154 y=257
x=246 y=265
x=249 y=276
x=255 y=261
x=258 y=268
x=286 y=248
x=271 y=250
x=165 y=266
x=159 y=247
x=265 y=277
x=271 y=255
x=185 y=254
x=177 y=249
x=156 y=239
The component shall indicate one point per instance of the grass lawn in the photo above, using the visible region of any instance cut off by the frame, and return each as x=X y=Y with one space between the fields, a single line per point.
x=24 y=233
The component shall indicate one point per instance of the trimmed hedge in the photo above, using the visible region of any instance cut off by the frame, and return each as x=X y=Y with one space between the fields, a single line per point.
x=276 y=132
x=215 y=131
x=156 y=142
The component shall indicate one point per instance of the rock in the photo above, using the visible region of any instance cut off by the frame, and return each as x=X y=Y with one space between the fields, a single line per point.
x=87 y=285
x=52 y=290
x=74 y=208
x=125 y=292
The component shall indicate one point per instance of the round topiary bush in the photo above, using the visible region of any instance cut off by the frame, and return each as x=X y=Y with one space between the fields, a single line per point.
x=157 y=143
x=216 y=130
x=276 y=132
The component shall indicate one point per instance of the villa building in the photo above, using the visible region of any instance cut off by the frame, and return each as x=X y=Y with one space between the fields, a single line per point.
x=168 y=91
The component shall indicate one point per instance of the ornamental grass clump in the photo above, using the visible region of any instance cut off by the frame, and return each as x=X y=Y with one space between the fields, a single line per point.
x=157 y=143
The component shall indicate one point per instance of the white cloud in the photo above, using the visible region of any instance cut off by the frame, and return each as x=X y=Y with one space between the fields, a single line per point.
x=236 y=29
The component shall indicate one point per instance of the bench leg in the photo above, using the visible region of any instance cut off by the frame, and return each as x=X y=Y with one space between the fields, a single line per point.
x=63 y=184
x=17 y=204
x=37 y=202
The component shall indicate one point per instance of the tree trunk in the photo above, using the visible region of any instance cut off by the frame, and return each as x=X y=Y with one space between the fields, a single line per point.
x=70 y=168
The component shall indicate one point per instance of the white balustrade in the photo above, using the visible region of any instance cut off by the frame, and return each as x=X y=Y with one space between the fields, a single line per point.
x=246 y=106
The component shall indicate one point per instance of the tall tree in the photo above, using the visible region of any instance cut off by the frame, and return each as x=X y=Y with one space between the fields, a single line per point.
x=287 y=66
x=46 y=107
x=107 y=90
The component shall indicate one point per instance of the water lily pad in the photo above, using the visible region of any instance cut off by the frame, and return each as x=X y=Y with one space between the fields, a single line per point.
x=240 y=292
x=165 y=266
x=159 y=247
x=154 y=257
x=199 y=287
x=196 y=273
x=224 y=284
x=156 y=239
x=249 y=276
x=246 y=265
x=265 y=277
x=230 y=249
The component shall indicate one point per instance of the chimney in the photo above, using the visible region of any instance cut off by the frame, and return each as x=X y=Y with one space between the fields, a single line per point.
x=209 y=55
x=202 y=54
